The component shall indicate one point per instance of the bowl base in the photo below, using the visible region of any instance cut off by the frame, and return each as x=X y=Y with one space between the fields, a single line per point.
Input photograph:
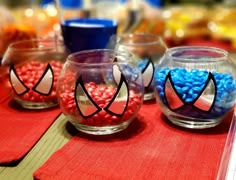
x=194 y=123
x=148 y=96
x=98 y=130
x=38 y=105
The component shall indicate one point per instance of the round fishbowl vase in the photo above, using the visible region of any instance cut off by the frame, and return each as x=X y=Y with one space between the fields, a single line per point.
x=195 y=86
x=100 y=91
x=147 y=50
x=30 y=72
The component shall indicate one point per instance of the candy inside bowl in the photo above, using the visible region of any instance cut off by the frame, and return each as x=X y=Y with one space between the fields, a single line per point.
x=195 y=86
x=100 y=91
x=31 y=69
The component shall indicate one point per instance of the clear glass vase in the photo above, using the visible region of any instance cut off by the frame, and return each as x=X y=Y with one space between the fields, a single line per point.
x=30 y=72
x=100 y=91
x=147 y=49
x=195 y=86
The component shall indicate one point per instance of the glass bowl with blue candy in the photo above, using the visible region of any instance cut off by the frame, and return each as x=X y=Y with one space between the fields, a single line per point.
x=195 y=86
x=147 y=49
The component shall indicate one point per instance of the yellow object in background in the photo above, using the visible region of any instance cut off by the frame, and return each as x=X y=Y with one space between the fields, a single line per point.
x=223 y=25
x=11 y=33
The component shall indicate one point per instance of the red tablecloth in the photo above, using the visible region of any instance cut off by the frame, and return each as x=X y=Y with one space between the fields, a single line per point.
x=150 y=148
x=20 y=129
x=3 y=94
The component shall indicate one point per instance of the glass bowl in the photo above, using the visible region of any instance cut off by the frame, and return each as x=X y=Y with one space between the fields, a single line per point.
x=195 y=86
x=100 y=91
x=148 y=49
x=31 y=69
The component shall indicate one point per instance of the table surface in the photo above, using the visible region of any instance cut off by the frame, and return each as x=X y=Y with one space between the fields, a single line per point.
x=231 y=169
x=55 y=137
x=228 y=161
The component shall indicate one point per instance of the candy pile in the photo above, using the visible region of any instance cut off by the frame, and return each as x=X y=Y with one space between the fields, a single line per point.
x=30 y=74
x=190 y=84
x=101 y=95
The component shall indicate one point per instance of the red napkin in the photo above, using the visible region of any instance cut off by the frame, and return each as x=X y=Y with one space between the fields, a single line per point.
x=150 y=148
x=3 y=93
x=20 y=129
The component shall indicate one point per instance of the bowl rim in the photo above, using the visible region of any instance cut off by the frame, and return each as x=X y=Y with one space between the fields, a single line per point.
x=155 y=39
x=223 y=54
x=113 y=52
x=53 y=43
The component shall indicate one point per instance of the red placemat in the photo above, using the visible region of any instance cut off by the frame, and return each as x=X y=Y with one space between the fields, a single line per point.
x=150 y=148
x=20 y=129
x=3 y=94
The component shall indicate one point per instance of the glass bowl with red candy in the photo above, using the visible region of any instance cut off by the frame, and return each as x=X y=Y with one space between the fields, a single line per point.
x=100 y=91
x=30 y=72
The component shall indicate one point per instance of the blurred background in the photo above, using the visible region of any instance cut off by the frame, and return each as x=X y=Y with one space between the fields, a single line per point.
x=179 y=22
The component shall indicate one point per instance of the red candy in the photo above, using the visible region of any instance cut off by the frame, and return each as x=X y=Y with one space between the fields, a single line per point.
x=30 y=74
x=101 y=95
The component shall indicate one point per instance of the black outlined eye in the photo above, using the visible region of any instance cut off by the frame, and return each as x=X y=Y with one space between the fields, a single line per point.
x=17 y=85
x=119 y=102
x=203 y=103
x=148 y=73
x=171 y=95
x=45 y=84
x=83 y=100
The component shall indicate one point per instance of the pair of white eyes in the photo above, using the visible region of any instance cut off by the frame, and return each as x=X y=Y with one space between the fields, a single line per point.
x=118 y=103
x=176 y=102
x=43 y=86
x=116 y=106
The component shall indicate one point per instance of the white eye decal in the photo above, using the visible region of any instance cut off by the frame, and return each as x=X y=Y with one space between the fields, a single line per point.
x=116 y=74
x=45 y=84
x=205 y=104
x=119 y=102
x=85 y=104
x=17 y=85
x=148 y=73
x=173 y=100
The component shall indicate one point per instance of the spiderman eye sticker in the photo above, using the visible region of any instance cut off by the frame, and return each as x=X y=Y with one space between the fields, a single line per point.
x=45 y=83
x=176 y=99
x=147 y=69
x=88 y=105
x=43 y=86
x=116 y=74
x=17 y=85
x=119 y=102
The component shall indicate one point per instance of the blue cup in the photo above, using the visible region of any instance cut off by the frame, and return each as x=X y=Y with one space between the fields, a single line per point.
x=87 y=33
